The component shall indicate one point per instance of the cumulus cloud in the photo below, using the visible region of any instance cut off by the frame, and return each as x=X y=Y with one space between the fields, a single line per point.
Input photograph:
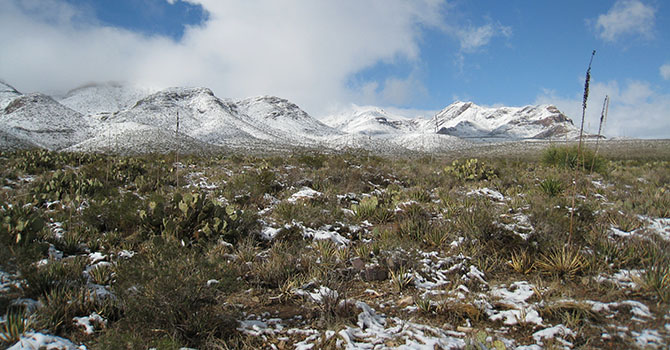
x=626 y=18
x=302 y=50
x=636 y=109
x=665 y=71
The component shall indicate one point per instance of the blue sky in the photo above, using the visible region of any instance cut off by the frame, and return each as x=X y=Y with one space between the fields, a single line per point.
x=413 y=57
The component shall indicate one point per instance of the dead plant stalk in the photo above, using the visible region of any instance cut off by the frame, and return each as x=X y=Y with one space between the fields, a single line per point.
x=579 y=147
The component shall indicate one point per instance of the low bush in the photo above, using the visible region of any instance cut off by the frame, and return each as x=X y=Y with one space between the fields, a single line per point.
x=165 y=289
x=568 y=157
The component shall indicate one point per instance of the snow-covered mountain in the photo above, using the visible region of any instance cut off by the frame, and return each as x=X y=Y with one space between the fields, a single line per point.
x=119 y=118
x=460 y=119
x=39 y=119
x=371 y=120
x=7 y=94
x=103 y=98
x=466 y=119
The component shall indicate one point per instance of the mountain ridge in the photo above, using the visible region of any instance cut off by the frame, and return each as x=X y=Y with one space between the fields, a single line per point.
x=95 y=116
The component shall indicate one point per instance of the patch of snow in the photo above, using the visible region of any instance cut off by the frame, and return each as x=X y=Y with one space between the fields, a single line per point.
x=558 y=333
x=96 y=257
x=373 y=331
x=33 y=341
x=622 y=278
x=515 y=297
x=649 y=339
x=126 y=254
x=659 y=226
x=90 y=322
x=487 y=192
x=324 y=233
x=304 y=193
x=268 y=233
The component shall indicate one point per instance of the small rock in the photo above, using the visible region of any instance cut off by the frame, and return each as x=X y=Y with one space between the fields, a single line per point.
x=374 y=273
x=358 y=263
x=406 y=301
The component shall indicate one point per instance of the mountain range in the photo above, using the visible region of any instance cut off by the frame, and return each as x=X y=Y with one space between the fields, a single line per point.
x=113 y=117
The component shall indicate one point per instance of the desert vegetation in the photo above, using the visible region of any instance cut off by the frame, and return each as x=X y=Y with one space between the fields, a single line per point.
x=308 y=250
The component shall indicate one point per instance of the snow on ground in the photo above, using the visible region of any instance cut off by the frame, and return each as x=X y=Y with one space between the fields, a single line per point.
x=515 y=299
x=653 y=226
x=436 y=271
x=90 y=323
x=487 y=192
x=659 y=226
x=519 y=223
x=622 y=278
x=304 y=193
x=34 y=341
x=558 y=333
x=372 y=331
x=7 y=281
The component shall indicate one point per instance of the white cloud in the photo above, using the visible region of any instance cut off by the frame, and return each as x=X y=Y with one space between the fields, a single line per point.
x=302 y=50
x=626 y=17
x=665 y=71
x=636 y=109
x=474 y=38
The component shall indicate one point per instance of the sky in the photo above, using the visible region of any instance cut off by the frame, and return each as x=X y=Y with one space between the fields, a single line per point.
x=412 y=57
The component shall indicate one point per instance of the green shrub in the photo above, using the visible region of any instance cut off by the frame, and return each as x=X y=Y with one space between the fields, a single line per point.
x=471 y=170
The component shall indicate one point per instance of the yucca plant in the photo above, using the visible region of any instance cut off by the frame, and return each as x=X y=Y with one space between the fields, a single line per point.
x=564 y=262
x=366 y=208
x=521 y=262
x=624 y=222
x=656 y=279
x=15 y=325
x=401 y=278
x=424 y=304
x=551 y=186
x=102 y=274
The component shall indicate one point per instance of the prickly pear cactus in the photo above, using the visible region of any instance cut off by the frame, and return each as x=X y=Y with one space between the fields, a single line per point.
x=190 y=217
x=19 y=223
x=471 y=170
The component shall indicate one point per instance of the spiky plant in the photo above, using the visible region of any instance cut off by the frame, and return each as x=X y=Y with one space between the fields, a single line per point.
x=15 y=325
x=521 y=262
x=401 y=278
x=565 y=262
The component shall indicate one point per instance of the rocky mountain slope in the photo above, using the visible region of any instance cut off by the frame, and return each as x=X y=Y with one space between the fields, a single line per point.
x=116 y=117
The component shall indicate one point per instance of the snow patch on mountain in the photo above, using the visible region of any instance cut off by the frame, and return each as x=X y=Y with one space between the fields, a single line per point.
x=371 y=120
x=41 y=120
x=104 y=98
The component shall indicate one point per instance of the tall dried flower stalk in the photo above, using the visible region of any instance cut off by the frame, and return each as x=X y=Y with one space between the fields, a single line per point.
x=603 y=118
x=579 y=147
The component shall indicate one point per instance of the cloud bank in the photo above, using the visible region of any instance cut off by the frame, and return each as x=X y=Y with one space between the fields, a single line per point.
x=302 y=50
